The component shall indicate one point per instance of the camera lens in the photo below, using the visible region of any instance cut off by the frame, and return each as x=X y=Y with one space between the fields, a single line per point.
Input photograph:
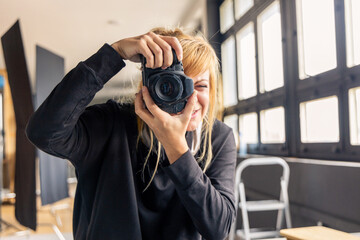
x=168 y=88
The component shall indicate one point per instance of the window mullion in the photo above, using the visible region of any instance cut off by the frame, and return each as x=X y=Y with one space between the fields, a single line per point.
x=291 y=73
x=339 y=9
x=342 y=68
x=256 y=36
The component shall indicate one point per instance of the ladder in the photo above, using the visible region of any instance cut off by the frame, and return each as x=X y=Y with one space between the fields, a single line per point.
x=281 y=204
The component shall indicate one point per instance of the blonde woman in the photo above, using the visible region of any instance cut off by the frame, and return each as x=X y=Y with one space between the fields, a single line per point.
x=143 y=173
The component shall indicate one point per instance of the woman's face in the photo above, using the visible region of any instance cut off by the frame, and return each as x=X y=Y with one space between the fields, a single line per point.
x=202 y=87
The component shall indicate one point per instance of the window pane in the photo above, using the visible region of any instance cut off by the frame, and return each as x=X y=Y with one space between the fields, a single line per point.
x=248 y=124
x=226 y=15
x=319 y=120
x=246 y=61
x=242 y=6
x=229 y=71
x=316 y=36
x=232 y=121
x=270 y=48
x=354 y=109
x=272 y=125
x=352 y=17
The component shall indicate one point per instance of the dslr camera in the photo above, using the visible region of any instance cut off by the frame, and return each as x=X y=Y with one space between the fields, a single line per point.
x=169 y=88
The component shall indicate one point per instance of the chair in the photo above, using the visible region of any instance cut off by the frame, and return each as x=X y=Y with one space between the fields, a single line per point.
x=281 y=204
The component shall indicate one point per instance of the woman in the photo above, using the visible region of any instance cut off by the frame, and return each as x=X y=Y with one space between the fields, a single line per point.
x=143 y=173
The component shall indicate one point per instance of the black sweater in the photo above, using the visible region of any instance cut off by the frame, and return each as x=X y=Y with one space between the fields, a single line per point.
x=101 y=142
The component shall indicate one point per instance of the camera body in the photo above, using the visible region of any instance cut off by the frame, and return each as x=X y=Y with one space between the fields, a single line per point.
x=169 y=88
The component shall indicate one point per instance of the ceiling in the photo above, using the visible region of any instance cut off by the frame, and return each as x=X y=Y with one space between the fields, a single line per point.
x=77 y=29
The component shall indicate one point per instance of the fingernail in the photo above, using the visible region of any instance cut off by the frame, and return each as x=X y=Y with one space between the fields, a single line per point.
x=143 y=89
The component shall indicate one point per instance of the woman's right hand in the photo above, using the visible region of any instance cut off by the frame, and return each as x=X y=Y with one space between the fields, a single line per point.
x=155 y=48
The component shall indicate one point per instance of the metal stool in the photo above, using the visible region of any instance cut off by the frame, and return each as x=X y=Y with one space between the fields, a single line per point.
x=281 y=205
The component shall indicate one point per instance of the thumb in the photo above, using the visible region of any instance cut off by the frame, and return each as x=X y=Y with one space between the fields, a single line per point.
x=190 y=106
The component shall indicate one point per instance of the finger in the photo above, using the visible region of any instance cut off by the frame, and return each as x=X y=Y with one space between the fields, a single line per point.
x=146 y=52
x=190 y=106
x=175 y=44
x=151 y=106
x=140 y=109
x=156 y=50
x=166 y=48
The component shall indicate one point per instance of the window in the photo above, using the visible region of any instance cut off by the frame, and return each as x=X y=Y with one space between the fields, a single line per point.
x=352 y=17
x=270 y=48
x=248 y=125
x=242 y=6
x=229 y=72
x=316 y=37
x=319 y=120
x=354 y=110
x=232 y=121
x=246 y=62
x=226 y=15
x=293 y=77
x=272 y=125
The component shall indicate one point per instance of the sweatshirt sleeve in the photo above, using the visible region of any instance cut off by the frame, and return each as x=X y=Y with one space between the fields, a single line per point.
x=58 y=126
x=208 y=197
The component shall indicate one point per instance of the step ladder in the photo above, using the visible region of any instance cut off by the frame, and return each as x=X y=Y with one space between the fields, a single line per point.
x=281 y=205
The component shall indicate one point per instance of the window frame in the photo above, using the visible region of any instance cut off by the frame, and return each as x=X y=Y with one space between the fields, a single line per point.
x=336 y=81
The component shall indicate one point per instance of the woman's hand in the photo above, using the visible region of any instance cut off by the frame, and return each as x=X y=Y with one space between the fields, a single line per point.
x=169 y=129
x=155 y=48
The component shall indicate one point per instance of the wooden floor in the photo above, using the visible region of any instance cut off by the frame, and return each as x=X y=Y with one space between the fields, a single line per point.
x=58 y=214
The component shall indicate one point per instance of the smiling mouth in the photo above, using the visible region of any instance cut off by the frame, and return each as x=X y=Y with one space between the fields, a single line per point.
x=194 y=112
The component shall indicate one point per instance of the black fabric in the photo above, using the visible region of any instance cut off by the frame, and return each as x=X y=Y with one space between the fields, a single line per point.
x=25 y=205
x=101 y=142
x=53 y=171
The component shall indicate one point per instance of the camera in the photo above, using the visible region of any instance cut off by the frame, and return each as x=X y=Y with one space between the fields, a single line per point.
x=169 y=88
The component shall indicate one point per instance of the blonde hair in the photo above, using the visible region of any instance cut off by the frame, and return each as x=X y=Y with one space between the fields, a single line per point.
x=198 y=56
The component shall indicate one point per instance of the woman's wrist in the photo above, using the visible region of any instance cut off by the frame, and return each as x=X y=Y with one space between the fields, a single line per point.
x=118 y=50
x=175 y=151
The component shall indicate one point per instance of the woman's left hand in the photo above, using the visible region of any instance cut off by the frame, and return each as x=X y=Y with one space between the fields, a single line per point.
x=169 y=129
